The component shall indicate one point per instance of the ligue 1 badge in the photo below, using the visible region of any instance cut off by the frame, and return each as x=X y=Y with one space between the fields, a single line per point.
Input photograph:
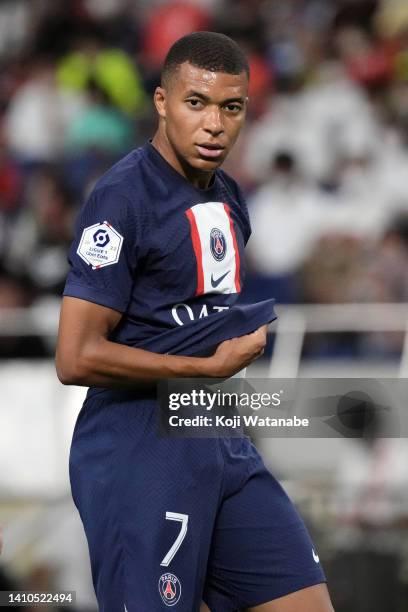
x=100 y=245
x=169 y=589
x=218 y=244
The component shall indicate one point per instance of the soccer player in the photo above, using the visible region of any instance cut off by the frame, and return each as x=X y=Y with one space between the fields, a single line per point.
x=156 y=266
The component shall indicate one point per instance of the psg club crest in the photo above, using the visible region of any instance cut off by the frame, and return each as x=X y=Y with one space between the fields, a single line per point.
x=100 y=245
x=218 y=244
x=169 y=589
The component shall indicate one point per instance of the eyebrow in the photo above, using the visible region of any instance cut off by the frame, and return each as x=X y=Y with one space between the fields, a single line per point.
x=197 y=94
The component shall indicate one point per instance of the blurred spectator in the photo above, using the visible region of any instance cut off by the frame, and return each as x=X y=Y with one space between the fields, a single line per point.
x=345 y=269
x=368 y=61
x=14 y=25
x=288 y=214
x=15 y=294
x=100 y=127
x=111 y=69
x=164 y=24
x=54 y=26
x=10 y=177
x=333 y=270
x=391 y=264
x=104 y=9
x=42 y=233
x=38 y=115
x=392 y=17
x=312 y=123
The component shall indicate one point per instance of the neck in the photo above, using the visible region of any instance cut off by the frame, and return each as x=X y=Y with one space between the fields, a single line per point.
x=196 y=177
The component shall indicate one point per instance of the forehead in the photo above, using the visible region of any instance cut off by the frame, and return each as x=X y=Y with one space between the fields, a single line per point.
x=211 y=84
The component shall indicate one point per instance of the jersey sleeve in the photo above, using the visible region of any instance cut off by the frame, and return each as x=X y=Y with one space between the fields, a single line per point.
x=104 y=253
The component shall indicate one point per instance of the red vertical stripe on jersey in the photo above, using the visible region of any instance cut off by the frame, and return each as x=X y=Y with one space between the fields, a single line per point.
x=195 y=237
x=234 y=241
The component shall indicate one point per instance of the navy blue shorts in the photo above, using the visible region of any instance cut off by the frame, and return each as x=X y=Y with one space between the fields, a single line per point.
x=173 y=521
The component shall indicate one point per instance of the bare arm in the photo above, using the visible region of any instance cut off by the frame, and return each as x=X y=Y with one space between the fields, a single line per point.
x=86 y=357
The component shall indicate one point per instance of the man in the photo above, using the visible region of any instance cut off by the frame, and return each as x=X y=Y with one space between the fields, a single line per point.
x=156 y=269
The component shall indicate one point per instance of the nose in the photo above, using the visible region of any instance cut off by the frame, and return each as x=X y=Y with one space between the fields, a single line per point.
x=213 y=121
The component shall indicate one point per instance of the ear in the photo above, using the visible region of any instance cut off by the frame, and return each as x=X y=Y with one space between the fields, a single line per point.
x=160 y=101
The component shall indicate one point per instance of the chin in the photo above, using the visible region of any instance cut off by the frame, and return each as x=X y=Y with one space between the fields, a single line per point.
x=206 y=165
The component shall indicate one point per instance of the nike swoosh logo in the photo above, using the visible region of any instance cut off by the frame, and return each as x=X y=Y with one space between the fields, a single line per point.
x=215 y=283
x=315 y=557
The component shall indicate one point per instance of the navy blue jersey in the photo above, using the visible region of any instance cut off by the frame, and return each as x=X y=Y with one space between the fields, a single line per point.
x=171 y=522
x=157 y=249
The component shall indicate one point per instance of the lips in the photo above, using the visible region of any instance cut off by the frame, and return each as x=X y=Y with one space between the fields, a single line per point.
x=210 y=150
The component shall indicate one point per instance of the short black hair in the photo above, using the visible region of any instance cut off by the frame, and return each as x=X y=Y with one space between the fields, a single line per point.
x=208 y=50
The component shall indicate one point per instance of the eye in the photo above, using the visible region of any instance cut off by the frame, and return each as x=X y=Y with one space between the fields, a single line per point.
x=195 y=103
x=233 y=108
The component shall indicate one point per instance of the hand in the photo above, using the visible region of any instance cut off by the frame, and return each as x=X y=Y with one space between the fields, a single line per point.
x=233 y=355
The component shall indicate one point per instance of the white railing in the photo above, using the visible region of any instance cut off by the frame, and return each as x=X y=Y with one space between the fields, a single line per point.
x=294 y=321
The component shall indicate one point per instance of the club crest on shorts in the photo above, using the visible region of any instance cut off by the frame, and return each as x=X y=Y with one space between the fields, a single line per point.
x=218 y=244
x=100 y=245
x=169 y=589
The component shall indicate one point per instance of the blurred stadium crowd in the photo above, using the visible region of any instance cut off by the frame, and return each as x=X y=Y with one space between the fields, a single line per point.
x=323 y=158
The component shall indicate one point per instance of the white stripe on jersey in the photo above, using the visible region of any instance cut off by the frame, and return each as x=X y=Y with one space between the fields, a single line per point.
x=219 y=276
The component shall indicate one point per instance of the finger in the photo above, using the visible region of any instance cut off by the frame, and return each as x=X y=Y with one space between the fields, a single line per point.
x=264 y=329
